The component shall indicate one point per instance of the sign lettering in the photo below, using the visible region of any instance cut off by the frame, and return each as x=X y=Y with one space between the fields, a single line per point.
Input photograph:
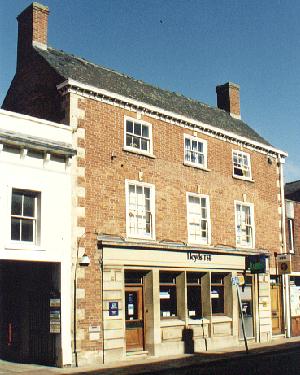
x=194 y=256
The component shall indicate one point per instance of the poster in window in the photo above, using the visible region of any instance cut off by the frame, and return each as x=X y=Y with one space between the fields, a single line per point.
x=295 y=300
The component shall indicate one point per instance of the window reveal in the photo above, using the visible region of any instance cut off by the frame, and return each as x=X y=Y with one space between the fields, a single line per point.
x=168 y=294
x=198 y=219
x=217 y=293
x=244 y=225
x=194 y=300
x=140 y=211
x=23 y=216
x=241 y=164
x=195 y=151
x=138 y=136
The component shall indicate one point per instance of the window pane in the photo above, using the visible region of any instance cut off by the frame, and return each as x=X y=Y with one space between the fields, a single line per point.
x=217 y=299
x=187 y=144
x=168 y=301
x=200 y=147
x=144 y=144
x=194 y=145
x=129 y=140
x=147 y=192
x=28 y=208
x=194 y=302
x=129 y=126
x=27 y=230
x=136 y=142
x=137 y=128
x=15 y=229
x=16 y=204
x=145 y=131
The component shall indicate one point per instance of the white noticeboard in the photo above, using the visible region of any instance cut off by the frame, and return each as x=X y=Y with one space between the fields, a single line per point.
x=295 y=300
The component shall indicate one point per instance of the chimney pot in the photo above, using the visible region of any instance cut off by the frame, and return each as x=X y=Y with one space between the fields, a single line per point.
x=228 y=98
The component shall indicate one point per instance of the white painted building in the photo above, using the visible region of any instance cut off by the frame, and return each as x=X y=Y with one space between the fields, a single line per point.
x=35 y=240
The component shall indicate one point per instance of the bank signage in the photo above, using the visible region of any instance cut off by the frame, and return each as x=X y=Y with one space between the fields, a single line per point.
x=284 y=263
x=256 y=263
x=198 y=257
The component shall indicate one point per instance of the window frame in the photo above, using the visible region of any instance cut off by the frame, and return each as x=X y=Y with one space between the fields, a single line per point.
x=35 y=219
x=152 y=209
x=220 y=286
x=191 y=285
x=135 y=149
x=249 y=178
x=251 y=207
x=197 y=139
x=173 y=286
x=200 y=196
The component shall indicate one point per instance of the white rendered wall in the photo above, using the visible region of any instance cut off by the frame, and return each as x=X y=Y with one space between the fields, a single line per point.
x=53 y=181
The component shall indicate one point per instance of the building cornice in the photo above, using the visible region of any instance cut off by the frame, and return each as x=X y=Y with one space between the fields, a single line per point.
x=91 y=92
x=111 y=241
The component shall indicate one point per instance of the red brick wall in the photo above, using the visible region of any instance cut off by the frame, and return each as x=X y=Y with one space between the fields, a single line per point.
x=105 y=180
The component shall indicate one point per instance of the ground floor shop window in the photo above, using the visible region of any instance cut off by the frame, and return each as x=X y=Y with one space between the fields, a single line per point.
x=168 y=294
x=217 y=293
x=194 y=300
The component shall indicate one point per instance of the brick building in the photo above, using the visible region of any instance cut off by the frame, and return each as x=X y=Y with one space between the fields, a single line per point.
x=292 y=222
x=170 y=197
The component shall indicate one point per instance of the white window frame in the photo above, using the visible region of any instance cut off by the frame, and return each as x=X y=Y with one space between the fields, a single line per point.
x=151 y=235
x=135 y=149
x=35 y=219
x=200 y=140
x=251 y=207
x=242 y=154
x=208 y=238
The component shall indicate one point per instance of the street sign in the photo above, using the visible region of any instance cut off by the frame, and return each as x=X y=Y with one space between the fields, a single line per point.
x=256 y=263
x=238 y=280
x=284 y=264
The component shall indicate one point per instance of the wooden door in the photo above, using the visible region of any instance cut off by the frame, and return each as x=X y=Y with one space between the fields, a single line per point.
x=276 y=305
x=134 y=318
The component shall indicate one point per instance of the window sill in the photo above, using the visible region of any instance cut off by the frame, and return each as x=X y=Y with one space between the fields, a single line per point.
x=169 y=322
x=139 y=152
x=23 y=246
x=187 y=164
x=243 y=178
x=220 y=319
x=193 y=244
x=142 y=239
x=193 y=322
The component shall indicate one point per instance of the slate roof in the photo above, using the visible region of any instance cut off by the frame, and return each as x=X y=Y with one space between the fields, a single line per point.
x=292 y=190
x=69 y=66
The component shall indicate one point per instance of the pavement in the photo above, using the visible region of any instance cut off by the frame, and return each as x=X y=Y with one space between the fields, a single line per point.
x=154 y=365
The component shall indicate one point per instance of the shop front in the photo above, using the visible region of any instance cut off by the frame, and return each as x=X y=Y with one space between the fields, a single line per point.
x=169 y=300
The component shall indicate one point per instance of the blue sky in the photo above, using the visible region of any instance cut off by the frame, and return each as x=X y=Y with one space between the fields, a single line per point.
x=186 y=46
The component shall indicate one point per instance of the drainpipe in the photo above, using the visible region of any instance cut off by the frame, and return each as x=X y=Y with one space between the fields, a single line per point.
x=285 y=278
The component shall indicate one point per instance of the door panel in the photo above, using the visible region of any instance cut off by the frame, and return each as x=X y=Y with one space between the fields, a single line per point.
x=276 y=305
x=134 y=318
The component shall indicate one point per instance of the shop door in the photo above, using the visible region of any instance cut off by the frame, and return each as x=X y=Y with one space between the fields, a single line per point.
x=276 y=305
x=134 y=318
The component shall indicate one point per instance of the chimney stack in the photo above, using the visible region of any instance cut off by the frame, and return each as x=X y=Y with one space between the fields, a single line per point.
x=228 y=98
x=32 y=31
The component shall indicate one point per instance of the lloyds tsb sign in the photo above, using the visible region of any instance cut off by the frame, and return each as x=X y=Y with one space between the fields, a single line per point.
x=198 y=257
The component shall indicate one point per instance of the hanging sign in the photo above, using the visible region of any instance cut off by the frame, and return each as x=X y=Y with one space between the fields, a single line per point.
x=284 y=264
x=256 y=263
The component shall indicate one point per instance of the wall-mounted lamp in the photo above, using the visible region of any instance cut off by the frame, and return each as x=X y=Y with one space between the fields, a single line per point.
x=84 y=261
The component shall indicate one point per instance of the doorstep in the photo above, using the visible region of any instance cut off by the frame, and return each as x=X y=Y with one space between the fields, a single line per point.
x=139 y=354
